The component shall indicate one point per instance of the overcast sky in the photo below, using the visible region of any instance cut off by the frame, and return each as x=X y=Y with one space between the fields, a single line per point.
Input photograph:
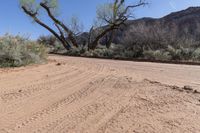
x=14 y=21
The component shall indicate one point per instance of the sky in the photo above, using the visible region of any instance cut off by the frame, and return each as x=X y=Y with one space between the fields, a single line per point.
x=14 y=21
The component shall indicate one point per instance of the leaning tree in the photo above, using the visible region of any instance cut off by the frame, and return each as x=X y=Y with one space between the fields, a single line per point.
x=111 y=16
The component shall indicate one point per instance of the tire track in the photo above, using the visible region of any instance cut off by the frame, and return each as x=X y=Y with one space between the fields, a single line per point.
x=96 y=96
x=93 y=85
x=59 y=104
x=29 y=90
x=74 y=119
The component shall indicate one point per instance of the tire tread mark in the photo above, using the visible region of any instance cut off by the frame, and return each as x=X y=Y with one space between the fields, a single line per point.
x=63 y=102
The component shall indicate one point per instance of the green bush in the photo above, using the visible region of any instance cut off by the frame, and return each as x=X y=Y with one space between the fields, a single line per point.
x=171 y=53
x=104 y=52
x=181 y=53
x=168 y=54
x=196 y=55
x=52 y=44
x=75 y=52
x=17 y=51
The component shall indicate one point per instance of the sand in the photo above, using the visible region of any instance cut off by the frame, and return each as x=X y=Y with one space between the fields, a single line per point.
x=80 y=95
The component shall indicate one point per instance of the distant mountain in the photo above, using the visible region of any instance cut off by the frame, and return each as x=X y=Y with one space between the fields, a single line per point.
x=182 y=26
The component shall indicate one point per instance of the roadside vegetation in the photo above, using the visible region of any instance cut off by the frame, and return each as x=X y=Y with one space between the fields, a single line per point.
x=17 y=51
x=127 y=51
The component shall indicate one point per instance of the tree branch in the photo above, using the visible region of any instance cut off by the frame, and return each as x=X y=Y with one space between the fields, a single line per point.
x=132 y=6
x=70 y=33
x=34 y=16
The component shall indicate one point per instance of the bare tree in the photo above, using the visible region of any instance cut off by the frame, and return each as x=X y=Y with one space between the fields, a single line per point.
x=112 y=16
x=65 y=35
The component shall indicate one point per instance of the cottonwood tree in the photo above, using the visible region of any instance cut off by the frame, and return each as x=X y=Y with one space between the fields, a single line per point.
x=111 y=15
x=32 y=8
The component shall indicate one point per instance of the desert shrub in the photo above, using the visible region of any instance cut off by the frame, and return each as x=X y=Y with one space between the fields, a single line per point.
x=52 y=44
x=171 y=53
x=196 y=54
x=120 y=52
x=180 y=53
x=186 y=53
x=128 y=54
x=101 y=52
x=134 y=53
x=162 y=55
x=48 y=40
x=73 y=52
x=176 y=53
x=17 y=51
x=98 y=53
x=148 y=54
x=157 y=55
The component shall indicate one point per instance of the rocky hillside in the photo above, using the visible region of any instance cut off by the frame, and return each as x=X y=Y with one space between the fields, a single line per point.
x=181 y=27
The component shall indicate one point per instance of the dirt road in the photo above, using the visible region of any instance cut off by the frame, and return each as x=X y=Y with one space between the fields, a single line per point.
x=79 y=95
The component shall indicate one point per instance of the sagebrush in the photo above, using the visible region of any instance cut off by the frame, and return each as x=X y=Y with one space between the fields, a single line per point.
x=17 y=51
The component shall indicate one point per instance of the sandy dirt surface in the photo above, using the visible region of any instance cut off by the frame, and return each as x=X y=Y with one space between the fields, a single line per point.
x=79 y=95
